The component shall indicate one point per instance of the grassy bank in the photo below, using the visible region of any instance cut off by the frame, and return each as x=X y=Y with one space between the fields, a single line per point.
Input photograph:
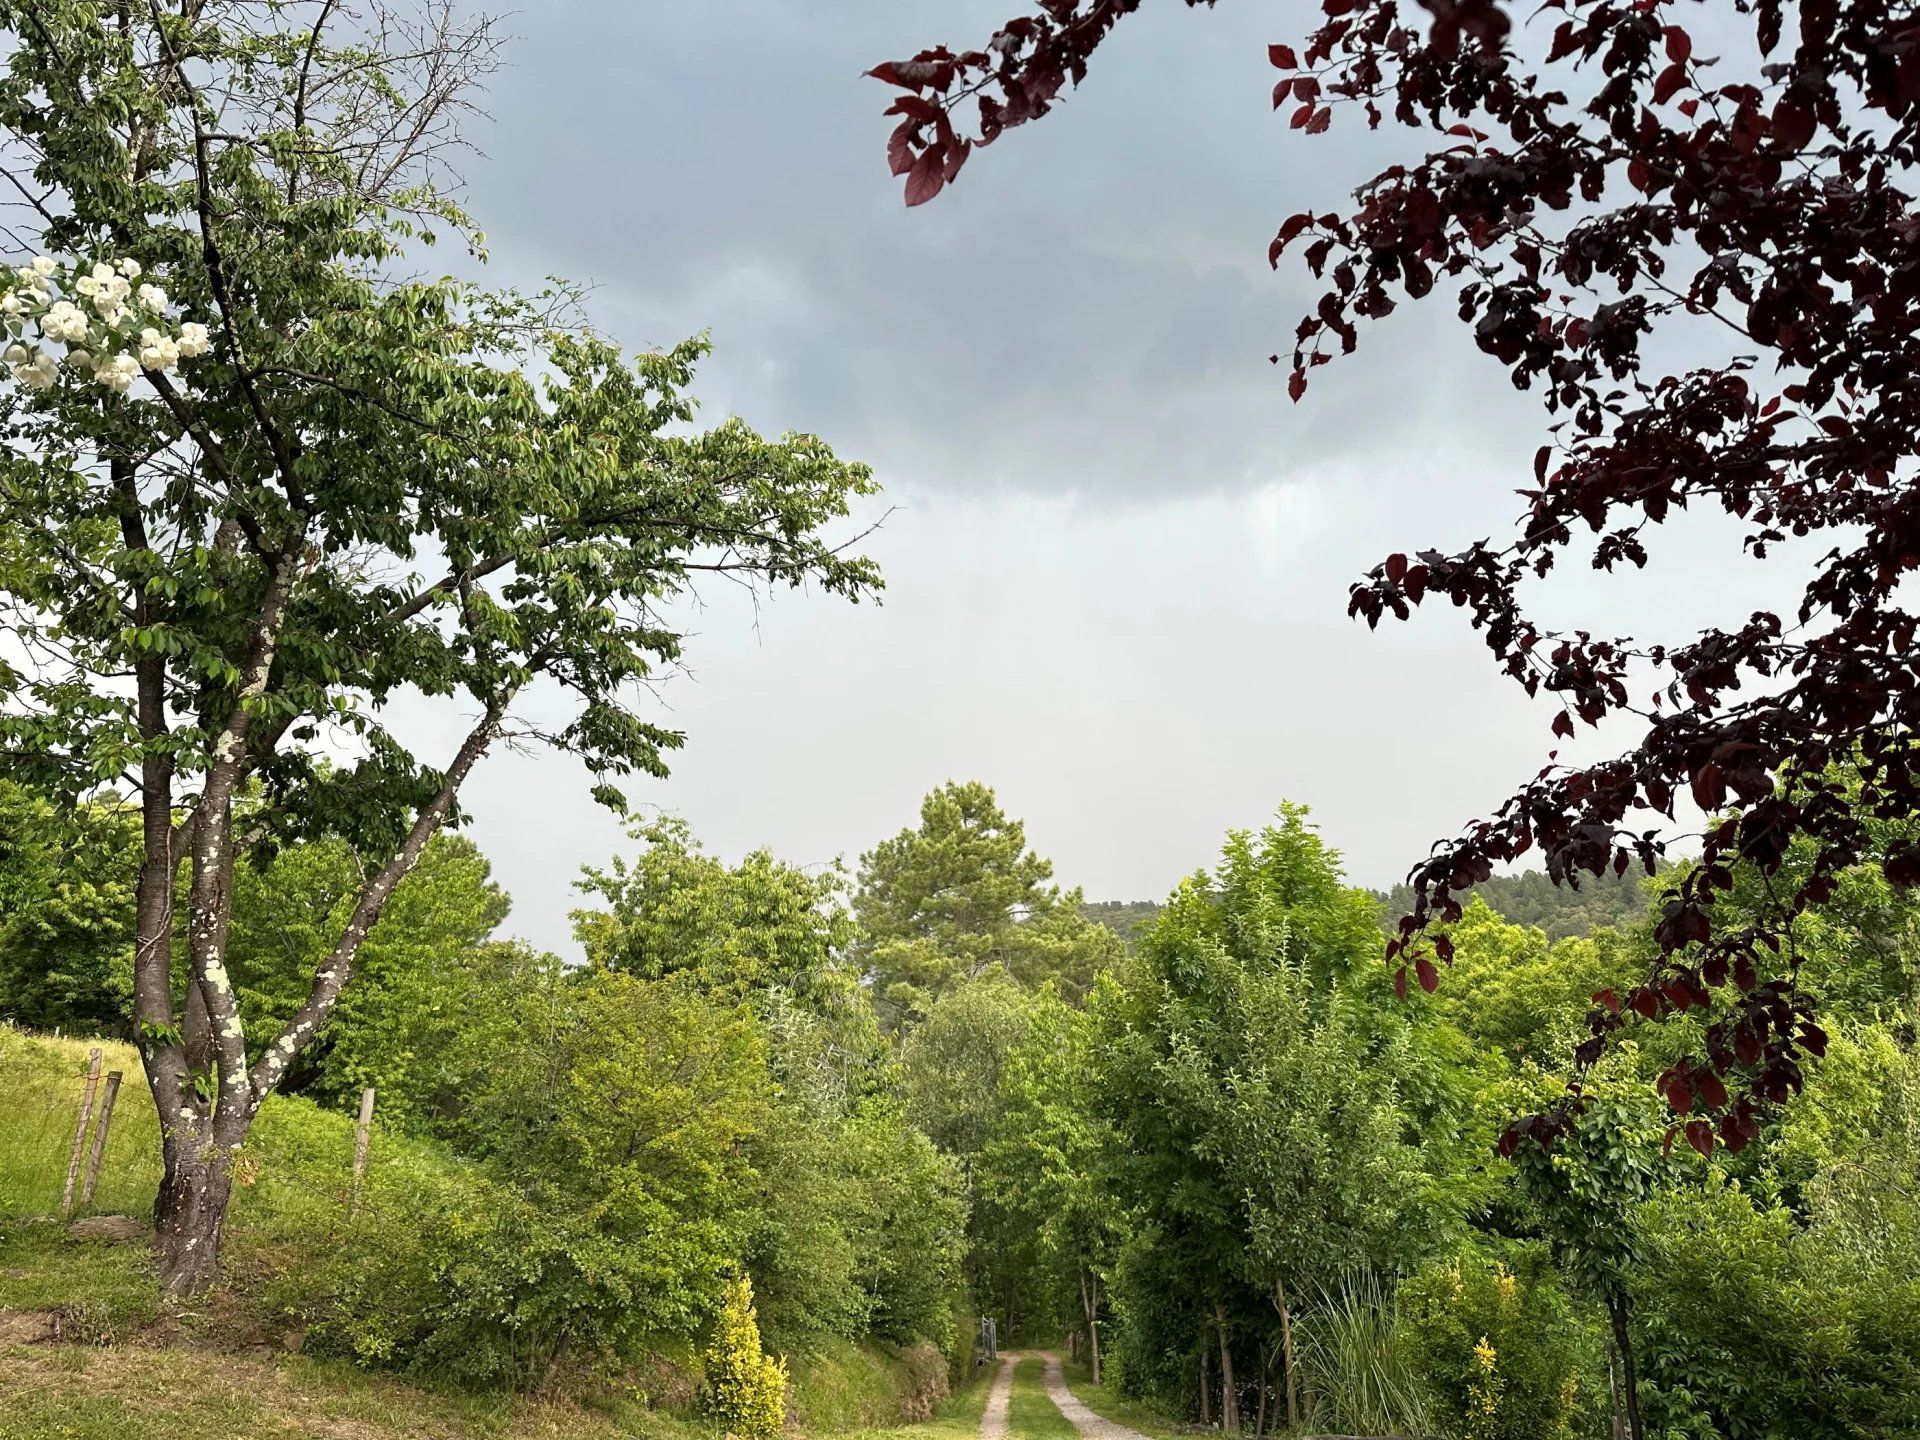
x=89 y=1347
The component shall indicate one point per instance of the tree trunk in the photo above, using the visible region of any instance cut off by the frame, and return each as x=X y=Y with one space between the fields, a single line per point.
x=1613 y=1392
x=1260 y=1415
x=1629 y=1373
x=1286 y=1351
x=1229 y=1395
x=1090 y=1305
x=196 y=1183
x=1206 y=1382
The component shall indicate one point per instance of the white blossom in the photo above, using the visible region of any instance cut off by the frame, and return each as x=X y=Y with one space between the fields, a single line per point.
x=86 y=308
x=38 y=374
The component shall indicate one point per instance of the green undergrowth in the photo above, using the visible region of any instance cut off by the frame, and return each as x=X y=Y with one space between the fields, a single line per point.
x=837 y=1385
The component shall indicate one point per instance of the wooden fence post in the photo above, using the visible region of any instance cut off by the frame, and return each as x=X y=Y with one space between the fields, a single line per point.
x=99 y=1150
x=80 y=1131
x=362 y=1133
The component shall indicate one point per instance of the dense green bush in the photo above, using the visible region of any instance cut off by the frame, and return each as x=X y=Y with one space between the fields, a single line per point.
x=1758 y=1326
x=1500 y=1344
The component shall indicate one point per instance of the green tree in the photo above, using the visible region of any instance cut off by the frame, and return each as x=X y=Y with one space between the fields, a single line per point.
x=66 y=912
x=431 y=978
x=961 y=897
x=1256 y=1084
x=1048 y=1163
x=741 y=931
x=1587 y=1191
x=335 y=484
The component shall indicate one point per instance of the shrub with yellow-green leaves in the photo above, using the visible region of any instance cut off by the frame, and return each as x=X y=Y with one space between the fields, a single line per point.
x=1501 y=1346
x=746 y=1387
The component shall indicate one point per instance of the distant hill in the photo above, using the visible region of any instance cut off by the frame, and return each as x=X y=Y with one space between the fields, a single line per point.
x=1123 y=917
x=1530 y=898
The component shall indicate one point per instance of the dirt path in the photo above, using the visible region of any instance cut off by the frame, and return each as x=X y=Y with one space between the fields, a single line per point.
x=993 y=1423
x=1090 y=1425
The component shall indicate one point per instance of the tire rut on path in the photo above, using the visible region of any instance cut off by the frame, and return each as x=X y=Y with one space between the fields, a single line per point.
x=1090 y=1425
x=993 y=1422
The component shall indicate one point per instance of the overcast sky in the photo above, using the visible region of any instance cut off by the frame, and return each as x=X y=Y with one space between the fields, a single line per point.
x=1117 y=557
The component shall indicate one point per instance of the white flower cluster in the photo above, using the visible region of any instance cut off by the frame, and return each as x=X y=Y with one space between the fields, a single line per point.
x=111 y=328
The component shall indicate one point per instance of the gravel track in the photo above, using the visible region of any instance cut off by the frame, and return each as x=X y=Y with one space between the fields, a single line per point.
x=1090 y=1425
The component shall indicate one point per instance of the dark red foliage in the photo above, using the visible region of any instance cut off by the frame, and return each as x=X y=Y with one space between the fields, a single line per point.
x=1628 y=186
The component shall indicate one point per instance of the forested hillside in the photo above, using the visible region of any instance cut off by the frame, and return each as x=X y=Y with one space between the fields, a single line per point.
x=1124 y=917
x=1563 y=911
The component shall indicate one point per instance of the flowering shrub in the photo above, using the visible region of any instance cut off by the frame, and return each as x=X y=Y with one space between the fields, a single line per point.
x=111 y=326
x=746 y=1387
x=1501 y=1346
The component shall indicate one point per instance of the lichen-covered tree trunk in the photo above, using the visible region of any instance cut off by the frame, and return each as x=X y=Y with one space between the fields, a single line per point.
x=191 y=1208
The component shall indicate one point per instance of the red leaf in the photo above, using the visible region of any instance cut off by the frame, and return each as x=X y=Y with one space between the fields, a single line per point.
x=1296 y=384
x=1281 y=90
x=1713 y=1094
x=1396 y=567
x=1700 y=1136
x=1281 y=57
x=1679 y=44
x=1300 y=118
x=899 y=150
x=1669 y=83
x=1792 y=126
x=927 y=178
x=1322 y=118
x=1429 y=977
x=1400 y=982
x=1709 y=789
x=1610 y=1000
